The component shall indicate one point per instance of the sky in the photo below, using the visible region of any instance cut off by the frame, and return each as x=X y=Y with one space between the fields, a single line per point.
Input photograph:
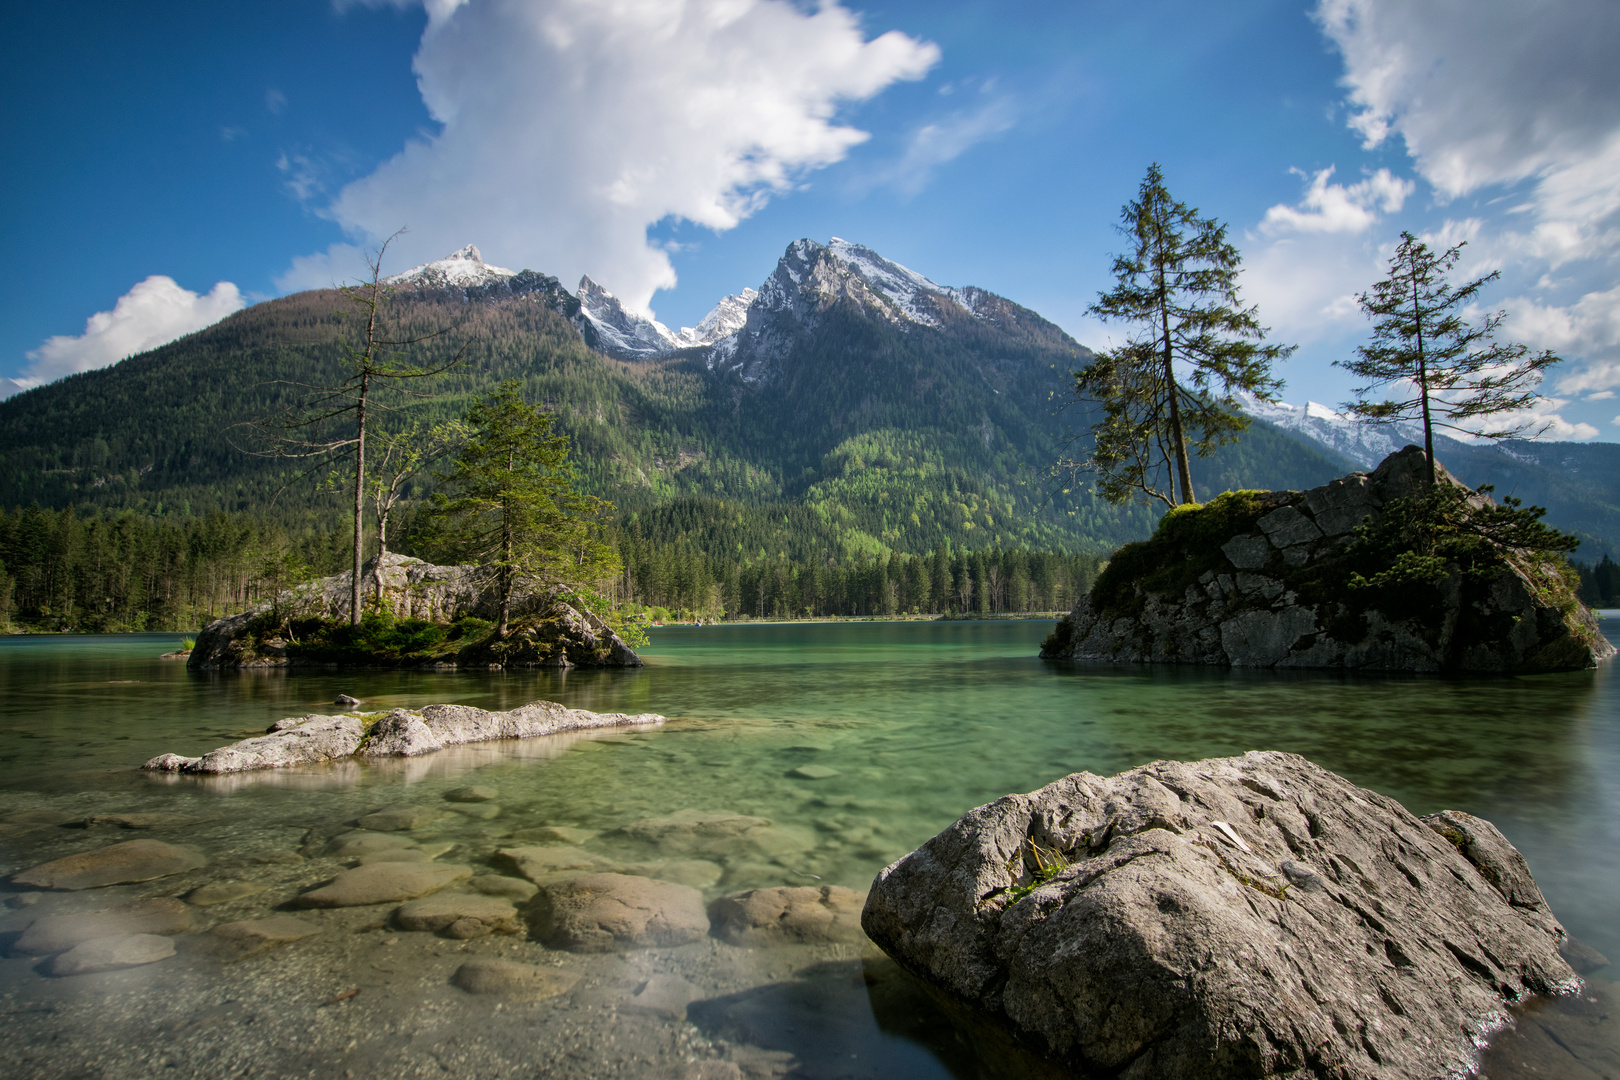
x=169 y=164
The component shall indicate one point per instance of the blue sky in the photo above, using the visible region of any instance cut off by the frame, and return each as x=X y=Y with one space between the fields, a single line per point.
x=170 y=163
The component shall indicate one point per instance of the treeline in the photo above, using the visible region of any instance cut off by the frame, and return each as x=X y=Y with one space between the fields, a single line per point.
x=98 y=571
x=106 y=573
x=1600 y=583
x=688 y=583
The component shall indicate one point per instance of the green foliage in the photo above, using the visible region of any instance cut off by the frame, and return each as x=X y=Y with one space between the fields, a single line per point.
x=380 y=638
x=1177 y=290
x=513 y=508
x=1042 y=865
x=1465 y=380
x=1185 y=546
x=1600 y=583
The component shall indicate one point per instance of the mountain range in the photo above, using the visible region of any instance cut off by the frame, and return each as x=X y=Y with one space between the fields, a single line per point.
x=846 y=404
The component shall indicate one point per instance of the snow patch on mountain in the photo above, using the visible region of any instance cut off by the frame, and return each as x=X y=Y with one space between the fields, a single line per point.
x=1363 y=443
x=626 y=334
x=903 y=287
x=458 y=270
x=725 y=320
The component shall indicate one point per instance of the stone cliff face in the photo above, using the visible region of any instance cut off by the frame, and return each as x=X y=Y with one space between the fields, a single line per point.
x=546 y=630
x=1264 y=579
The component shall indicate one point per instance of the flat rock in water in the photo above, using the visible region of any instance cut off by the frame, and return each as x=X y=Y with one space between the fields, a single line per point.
x=719 y=834
x=400 y=819
x=477 y=811
x=474 y=793
x=556 y=834
x=382 y=883
x=350 y=845
x=251 y=937
x=799 y=915
x=222 y=892
x=139 y=821
x=511 y=888
x=305 y=740
x=541 y=864
x=404 y=854
x=509 y=979
x=462 y=915
x=111 y=953
x=663 y=995
x=698 y=873
x=813 y=772
x=131 y=861
x=1236 y=917
x=58 y=933
x=603 y=912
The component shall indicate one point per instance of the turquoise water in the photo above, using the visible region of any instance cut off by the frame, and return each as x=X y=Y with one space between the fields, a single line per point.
x=918 y=723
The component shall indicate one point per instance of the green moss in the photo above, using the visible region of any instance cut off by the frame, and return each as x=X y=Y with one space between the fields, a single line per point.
x=1185 y=546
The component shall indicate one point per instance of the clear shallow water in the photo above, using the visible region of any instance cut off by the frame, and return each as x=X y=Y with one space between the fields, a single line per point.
x=920 y=721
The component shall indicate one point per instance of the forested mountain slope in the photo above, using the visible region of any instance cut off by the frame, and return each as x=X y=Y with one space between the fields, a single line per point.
x=859 y=407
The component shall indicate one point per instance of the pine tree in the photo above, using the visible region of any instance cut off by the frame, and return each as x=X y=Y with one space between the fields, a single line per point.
x=1177 y=289
x=1457 y=369
x=514 y=508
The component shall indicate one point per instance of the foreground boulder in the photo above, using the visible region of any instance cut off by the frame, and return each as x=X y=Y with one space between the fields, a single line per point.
x=547 y=630
x=1265 y=579
x=604 y=912
x=117 y=864
x=1236 y=917
x=307 y=740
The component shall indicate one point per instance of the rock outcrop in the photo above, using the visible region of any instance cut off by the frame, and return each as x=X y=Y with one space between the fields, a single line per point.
x=1265 y=579
x=307 y=740
x=547 y=630
x=1236 y=917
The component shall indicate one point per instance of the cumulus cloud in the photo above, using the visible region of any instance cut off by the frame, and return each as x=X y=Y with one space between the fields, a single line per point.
x=1333 y=208
x=568 y=127
x=153 y=313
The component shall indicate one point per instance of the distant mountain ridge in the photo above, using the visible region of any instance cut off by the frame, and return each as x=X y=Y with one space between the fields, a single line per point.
x=852 y=395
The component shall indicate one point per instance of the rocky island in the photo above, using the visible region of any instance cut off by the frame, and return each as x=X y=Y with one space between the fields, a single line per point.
x=1292 y=579
x=1230 y=918
x=423 y=615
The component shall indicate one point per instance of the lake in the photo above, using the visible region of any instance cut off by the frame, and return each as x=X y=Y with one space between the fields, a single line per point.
x=912 y=724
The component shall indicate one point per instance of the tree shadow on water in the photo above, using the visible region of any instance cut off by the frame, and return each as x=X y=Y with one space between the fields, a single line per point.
x=859 y=1019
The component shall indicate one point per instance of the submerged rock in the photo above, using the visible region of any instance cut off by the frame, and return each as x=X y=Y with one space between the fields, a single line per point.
x=603 y=912
x=510 y=979
x=117 y=864
x=461 y=915
x=222 y=892
x=473 y=793
x=381 y=883
x=1236 y=917
x=58 y=933
x=718 y=833
x=1264 y=579
x=112 y=953
x=789 y=915
x=305 y=740
x=251 y=937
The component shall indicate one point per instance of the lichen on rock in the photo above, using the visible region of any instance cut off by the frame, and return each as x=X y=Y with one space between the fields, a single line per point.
x=1292 y=579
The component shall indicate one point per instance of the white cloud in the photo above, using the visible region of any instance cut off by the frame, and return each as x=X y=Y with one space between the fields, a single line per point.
x=1333 y=208
x=1601 y=395
x=153 y=313
x=571 y=126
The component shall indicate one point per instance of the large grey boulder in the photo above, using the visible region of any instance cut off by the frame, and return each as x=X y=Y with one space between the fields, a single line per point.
x=308 y=740
x=1263 y=579
x=1236 y=917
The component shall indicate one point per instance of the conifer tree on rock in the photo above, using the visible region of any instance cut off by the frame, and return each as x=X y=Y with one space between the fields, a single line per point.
x=514 y=508
x=1462 y=379
x=1193 y=346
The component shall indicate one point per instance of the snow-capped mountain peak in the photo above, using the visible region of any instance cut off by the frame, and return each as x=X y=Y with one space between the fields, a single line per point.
x=623 y=333
x=1365 y=444
x=460 y=269
x=900 y=285
x=727 y=317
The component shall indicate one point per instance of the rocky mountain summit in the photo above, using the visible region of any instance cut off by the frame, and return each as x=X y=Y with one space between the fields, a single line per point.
x=1231 y=918
x=1270 y=579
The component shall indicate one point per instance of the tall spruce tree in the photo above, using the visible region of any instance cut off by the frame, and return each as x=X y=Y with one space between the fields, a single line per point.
x=514 y=509
x=1458 y=372
x=1193 y=346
